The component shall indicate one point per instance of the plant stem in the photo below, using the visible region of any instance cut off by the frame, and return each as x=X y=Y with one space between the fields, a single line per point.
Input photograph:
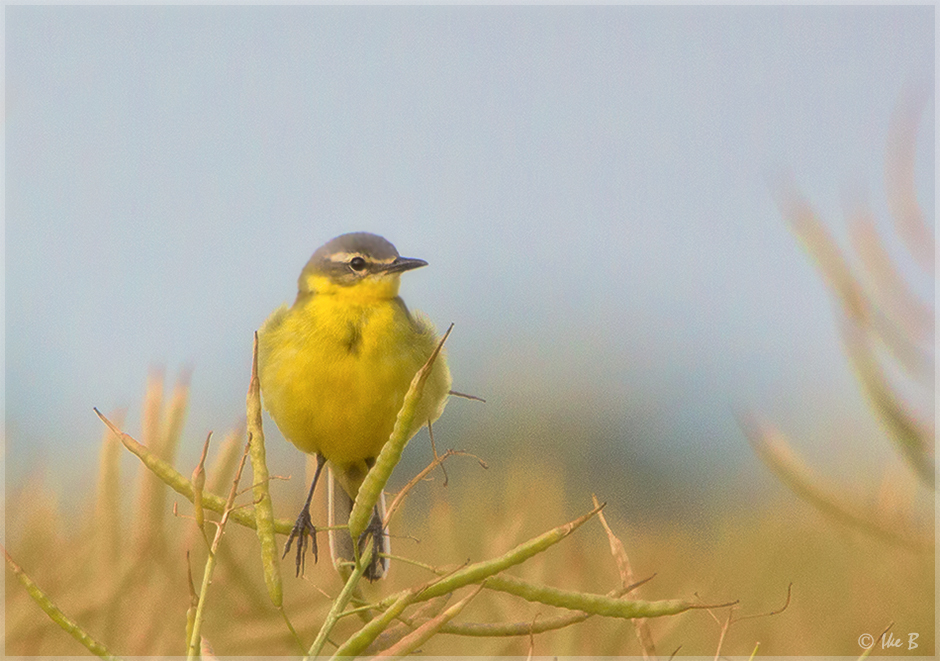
x=339 y=604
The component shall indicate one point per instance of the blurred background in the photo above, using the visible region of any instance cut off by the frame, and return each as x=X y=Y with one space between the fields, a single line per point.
x=591 y=186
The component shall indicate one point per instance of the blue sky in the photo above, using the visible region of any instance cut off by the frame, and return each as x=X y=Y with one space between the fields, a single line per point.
x=588 y=184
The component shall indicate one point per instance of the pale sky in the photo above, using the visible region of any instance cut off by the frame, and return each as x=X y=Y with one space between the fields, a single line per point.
x=588 y=184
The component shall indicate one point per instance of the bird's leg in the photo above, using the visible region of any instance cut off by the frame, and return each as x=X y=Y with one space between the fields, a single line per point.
x=304 y=526
x=374 y=571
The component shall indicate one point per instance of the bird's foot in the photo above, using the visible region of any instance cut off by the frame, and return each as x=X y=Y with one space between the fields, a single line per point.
x=306 y=534
x=377 y=567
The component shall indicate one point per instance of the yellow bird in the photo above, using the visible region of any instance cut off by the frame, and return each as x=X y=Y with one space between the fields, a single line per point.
x=334 y=370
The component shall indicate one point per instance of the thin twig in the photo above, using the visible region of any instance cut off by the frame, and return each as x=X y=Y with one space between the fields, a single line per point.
x=434 y=452
x=776 y=612
x=438 y=461
x=199 y=485
x=466 y=396
x=195 y=640
x=867 y=652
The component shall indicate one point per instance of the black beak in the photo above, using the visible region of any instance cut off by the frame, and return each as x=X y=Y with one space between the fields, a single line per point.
x=402 y=264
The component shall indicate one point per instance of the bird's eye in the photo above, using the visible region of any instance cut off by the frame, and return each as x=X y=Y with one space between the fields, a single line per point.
x=357 y=264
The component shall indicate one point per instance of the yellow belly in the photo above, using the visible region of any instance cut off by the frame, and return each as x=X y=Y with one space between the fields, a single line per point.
x=334 y=374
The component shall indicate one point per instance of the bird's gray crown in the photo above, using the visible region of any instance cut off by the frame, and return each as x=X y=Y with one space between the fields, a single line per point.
x=362 y=243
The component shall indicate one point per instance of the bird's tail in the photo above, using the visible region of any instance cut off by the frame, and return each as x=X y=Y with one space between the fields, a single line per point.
x=339 y=506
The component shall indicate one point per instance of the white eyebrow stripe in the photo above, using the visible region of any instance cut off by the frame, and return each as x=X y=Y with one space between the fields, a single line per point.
x=343 y=256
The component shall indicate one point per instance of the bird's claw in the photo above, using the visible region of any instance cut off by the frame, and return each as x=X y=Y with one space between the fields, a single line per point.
x=375 y=529
x=306 y=534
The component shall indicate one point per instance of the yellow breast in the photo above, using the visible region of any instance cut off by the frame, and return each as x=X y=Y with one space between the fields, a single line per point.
x=334 y=373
